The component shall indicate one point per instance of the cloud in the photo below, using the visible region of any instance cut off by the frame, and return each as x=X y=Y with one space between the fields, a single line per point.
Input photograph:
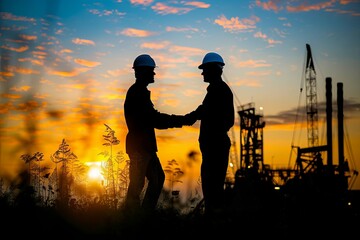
x=72 y=73
x=107 y=12
x=289 y=116
x=19 y=49
x=33 y=61
x=66 y=50
x=86 y=63
x=350 y=12
x=9 y=16
x=133 y=32
x=22 y=70
x=253 y=63
x=41 y=96
x=188 y=51
x=30 y=106
x=21 y=89
x=248 y=82
x=258 y=74
x=5 y=107
x=10 y=96
x=263 y=36
x=163 y=9
x=6 y=74
x=28 y=37
x=198 y=4
x=171 y=102
x=235 y=25
x=269 y=5
x=116 y=73
x=114 y=96
x=74 y=86
x=311 y=7
x=260 y=35
x=175 y=29
x=80 y=41
x=191 y=92
x=141 y=2
x=306 y=6
x=155 y=45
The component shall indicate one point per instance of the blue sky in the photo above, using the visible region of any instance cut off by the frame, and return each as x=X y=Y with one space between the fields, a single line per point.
x=66 y=66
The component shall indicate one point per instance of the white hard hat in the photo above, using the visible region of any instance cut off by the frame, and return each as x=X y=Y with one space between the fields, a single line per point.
x=144 y=60
x=212 y=57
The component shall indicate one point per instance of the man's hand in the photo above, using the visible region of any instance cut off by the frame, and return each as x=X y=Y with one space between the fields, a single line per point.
x=190 y=118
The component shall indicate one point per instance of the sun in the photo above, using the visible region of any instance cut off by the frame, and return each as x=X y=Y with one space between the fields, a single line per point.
x=94 y=173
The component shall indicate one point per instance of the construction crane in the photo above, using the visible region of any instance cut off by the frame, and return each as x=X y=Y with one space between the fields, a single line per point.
x=310 y=165
x=311 y=100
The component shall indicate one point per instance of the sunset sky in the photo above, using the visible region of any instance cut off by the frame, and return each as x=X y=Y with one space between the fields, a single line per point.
x=66 y=67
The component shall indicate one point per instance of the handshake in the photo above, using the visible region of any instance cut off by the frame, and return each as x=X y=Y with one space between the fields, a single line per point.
x=190 y=118
x=185 y=120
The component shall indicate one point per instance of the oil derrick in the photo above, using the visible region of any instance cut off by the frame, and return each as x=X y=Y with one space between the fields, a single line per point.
x=252 y=167
x=254 y=187
x=251 y=138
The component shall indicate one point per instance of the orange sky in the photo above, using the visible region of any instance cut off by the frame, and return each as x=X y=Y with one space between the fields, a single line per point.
x=66 y=67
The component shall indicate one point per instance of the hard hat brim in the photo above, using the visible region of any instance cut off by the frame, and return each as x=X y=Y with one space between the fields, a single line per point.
x=220 y=64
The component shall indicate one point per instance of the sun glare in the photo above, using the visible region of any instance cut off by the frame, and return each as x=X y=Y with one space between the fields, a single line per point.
x=94 y=172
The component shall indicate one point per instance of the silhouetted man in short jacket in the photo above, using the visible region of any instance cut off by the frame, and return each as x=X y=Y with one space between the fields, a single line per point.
x=217 y=117
x=141 y=119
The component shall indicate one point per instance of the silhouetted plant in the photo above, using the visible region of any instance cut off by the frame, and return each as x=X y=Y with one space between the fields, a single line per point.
x=173 y=173
x=35 y=171
x=122 y=175
x=64 y=156
x=108 y=168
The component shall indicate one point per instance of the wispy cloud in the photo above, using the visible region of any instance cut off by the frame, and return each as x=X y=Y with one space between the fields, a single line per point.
x=155 y=45
x=164 y=9
x=22 y=70
x=289 y=116
x=11 y=96
x=269 y=5
x=253 y=63
x=235 y=24
x=198 y=4
x=19 y=49
x=86 y=63
x=72 y=73
x=10 y=16
x=28 y=37
x=310 y=7
x=21 y=89
x=80 y=41
x=176 y=29
x=133 y=32
x=141 y=2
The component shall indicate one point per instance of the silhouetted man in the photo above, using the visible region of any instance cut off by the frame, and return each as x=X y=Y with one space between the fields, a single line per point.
x=217 y=117
x=141 y=119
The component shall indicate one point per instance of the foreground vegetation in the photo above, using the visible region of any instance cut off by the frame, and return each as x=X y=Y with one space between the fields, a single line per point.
x=246 y=215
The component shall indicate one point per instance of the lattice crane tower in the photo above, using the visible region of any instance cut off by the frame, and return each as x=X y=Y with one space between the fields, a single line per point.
x=311 y=100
